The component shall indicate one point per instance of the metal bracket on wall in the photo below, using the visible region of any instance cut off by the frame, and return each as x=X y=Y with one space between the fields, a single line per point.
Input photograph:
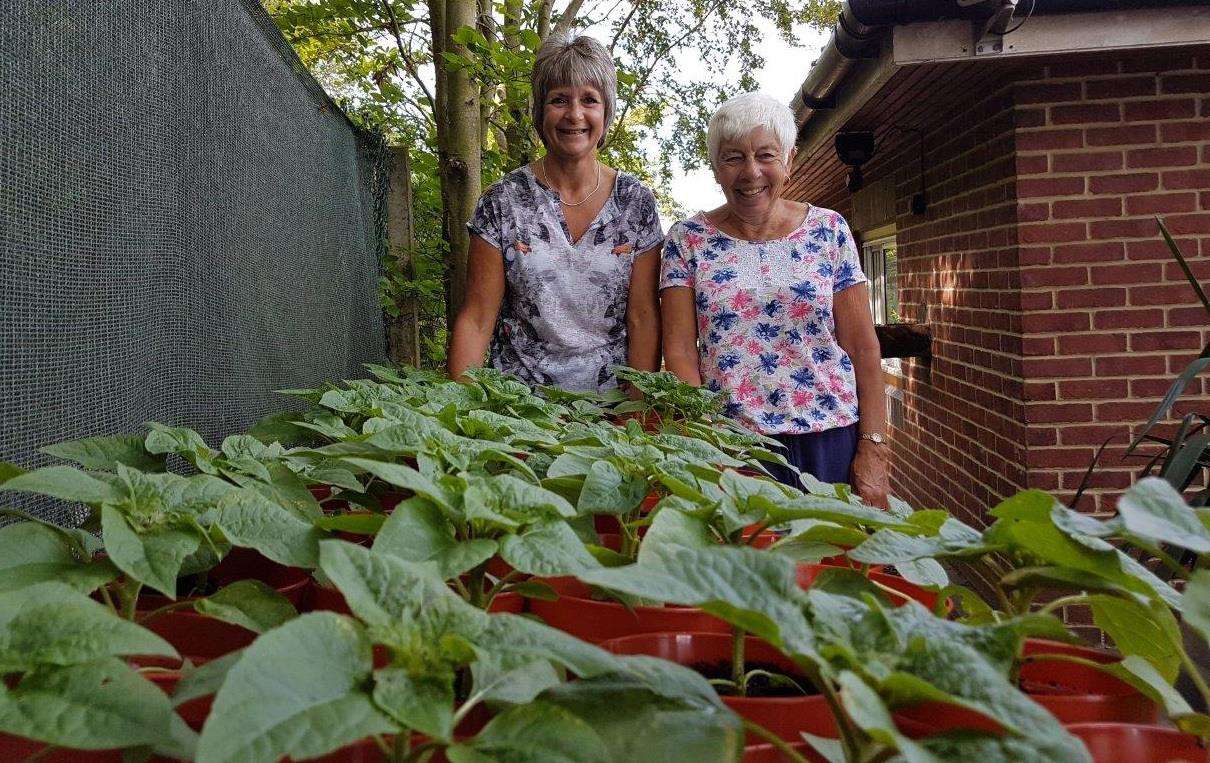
x=989 y=44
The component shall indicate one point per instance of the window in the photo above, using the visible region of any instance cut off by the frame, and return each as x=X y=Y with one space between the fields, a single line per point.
x=878 y=261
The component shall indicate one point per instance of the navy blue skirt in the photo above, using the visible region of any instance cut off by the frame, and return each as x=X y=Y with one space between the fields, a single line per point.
x=827 y=456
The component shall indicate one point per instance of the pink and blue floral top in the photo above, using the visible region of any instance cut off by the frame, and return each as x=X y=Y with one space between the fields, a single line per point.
x=766 y=335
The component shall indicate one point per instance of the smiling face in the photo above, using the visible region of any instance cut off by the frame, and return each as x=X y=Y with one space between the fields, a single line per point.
x=752 y=172
x=573 y=120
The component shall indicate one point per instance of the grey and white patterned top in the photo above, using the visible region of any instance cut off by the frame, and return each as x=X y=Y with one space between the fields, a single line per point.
x=563 y=318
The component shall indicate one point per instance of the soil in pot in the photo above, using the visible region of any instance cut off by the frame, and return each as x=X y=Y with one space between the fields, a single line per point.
x=759 y=685
x=1139 y=743
x=239 y=564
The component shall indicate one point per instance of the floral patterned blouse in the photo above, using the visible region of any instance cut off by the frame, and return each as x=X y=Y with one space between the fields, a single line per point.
x=766 y=335
x=563 y=318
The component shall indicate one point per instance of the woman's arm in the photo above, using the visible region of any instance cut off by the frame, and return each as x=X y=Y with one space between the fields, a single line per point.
x=477 y=319
x=678 y=314
x=643 y=313
x=855 y=335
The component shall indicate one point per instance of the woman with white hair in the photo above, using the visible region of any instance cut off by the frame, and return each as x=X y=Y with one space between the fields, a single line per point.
x=563 y=261
x=763 y=299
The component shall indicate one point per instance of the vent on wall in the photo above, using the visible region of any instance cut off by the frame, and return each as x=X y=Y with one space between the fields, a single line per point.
x=894 y=407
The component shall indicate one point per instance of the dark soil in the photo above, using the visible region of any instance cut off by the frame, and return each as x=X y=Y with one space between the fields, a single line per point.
x=759 y=685
x=1042 y=687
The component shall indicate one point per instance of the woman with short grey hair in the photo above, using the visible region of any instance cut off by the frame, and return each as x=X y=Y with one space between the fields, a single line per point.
x=563 y=261
x=763 y=299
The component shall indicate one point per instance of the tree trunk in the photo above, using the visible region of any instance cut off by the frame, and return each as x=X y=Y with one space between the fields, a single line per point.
x=461 y=181
x=403 y=331
x=518 y=141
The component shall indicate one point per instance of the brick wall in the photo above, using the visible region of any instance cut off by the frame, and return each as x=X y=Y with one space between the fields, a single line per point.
x=1108 y=320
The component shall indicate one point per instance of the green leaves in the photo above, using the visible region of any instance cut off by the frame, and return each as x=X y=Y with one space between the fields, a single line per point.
x=249 y=604
x=298 y=691
x=153 y=557
x=1153 y=509
x=65 y=483
x=96 y=705
x=253 y=521
x=547 y=549
x=607 y=491
x=32 y=552
x=51 y=624
x=540 y=732
x=1147 y=630
x=418 y=531
x=105 y=453
x=421 y=702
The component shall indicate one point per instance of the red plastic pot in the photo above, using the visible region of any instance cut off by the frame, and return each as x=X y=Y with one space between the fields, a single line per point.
x=807 y=573
x=767 y=753
x=786 y=717
x=1139 y=743
x=1081 y=694
x=14 y=748
x=596 y=621
x=324 y=599
x=195 y=637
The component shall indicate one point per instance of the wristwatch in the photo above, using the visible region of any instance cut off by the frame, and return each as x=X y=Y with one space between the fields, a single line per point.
x=873 y=437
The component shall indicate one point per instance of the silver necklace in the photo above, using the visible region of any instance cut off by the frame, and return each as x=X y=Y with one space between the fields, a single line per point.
x=546 y=180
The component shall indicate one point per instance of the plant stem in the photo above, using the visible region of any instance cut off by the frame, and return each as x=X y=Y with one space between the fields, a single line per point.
x=848 y=733
x=128 y=595
x=1195 y=675
x=1062 y=601
x=420 y=750
x=737 y=660
x=153 y=614
x=782 y=745
x=108 y=599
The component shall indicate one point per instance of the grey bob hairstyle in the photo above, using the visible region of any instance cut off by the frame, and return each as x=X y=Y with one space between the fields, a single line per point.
x=568 y=61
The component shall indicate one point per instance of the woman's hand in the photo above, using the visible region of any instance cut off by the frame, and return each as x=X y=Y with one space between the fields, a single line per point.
x=869 y=473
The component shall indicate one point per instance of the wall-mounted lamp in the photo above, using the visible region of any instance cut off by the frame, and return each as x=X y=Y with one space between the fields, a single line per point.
x=855 y=149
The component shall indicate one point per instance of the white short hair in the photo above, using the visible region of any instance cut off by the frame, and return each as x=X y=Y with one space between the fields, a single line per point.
x=742 y=114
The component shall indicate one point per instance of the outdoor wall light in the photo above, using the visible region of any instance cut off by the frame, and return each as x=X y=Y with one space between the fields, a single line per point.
x=854 y=149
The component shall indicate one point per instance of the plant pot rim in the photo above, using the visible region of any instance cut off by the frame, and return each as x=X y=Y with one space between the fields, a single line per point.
x=556 y=582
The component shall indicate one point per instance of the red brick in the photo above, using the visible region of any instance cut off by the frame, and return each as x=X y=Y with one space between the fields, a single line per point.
x=1044 y=480
x=1199 y=267
x=1099 y=478
x=1093 y=434
x=1123 y=135
x=1147 y=111
x=1185 y=83
x=1033 y=255
x=1033 y=213
x=1047 y=92
x=1036 y=300
x=1049 y=186
x=1044 y=323
x=1057 y=458
x=1172 y=156
x=1045 y=140
x=1042 y=368
x=1032 y=165
x=1124 y=411
x=1133 y=183
x=1034 y=391
x=1204 y=200
x=1083 y=113
x=1169 y=294
x=1105 y=207
x=1085 y=161
x=1100 y=297
x=1183 y=224
x=1155 y=248
x=1144 y=388
x=1188 y=316
x=1032 y=278
x=1129 y=365
x=1058 y=413
x=1181 y=132
x=1029 y=118
x=1047 y=233
x=1093 y=389
x=1128 y=319
x=1119 y=87
x=1136 y=228
x=1095 y=251
x=1158 y=61
x=1180 y=179
x=1161 y=203
x=1137 y=272
x=1166 y=340
x=1091 y=343
x=1033 y=346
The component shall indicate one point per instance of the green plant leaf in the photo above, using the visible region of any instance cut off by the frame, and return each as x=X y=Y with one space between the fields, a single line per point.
x=547 y=549
x=31 y=552
x=607 y=491
x=8 y=471
x=152 y=557
x=182 y=441
x=297 y=691
x=65 y=483
x=510 y=502
x=1153 y=509
x=205 y=679
x=249 y=604
x=97 y=705
x=1196 y=602
x=1147 y=630
x=423 y=702
x=924 y=572
x=402 y=476
x=251 y=520
x=539 y=732
x=103 y=453
x=418 y=531
x=52 y=624
x=870 y=714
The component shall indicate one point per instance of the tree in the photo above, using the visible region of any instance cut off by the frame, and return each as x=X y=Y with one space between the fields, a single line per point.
x=450 y=79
